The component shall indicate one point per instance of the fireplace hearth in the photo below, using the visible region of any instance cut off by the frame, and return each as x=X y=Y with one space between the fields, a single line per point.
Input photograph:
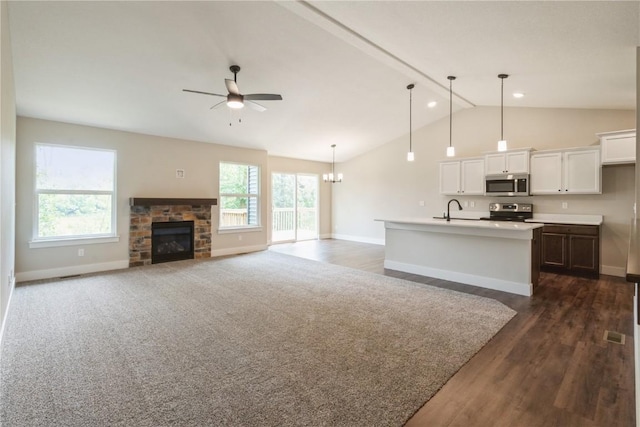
x=171 y=241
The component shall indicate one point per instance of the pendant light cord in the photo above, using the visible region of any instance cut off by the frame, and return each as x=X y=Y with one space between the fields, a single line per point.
x=333 y=163
x=451 y=79
x=502 y=77
x=410 y=127
x=502 y=110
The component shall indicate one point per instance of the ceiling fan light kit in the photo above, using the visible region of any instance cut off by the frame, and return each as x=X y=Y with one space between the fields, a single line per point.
x=235 y=101
x=502 y=144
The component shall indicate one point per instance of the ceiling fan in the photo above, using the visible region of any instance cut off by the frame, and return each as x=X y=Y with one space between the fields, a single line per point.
x=235 y=99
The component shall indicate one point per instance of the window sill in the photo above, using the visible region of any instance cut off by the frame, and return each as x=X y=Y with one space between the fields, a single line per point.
x=75 y=241
x=249 y=229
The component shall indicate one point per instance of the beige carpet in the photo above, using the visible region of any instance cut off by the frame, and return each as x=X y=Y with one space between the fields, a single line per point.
x=263 y=339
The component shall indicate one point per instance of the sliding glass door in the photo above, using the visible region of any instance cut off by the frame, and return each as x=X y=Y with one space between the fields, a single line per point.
x=294 y=212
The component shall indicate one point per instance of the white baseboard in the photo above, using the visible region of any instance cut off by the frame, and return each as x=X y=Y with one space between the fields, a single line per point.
x=325 y=236
x=465 y=278
x=610 y=270
x=238 y=250
x=358 y=239
x=72 y=270
x=3 y=326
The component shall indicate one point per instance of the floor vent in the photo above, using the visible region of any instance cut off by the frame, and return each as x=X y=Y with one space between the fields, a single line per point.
x=614 y=337
x=71 y=276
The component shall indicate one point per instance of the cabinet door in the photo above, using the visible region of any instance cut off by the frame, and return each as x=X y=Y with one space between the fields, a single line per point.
x=582 y=172
x=450 y=178
x=554 y=250
x=517 y=162
x=495 y=164
x=583 y=254
x=472 y=177
x=618 y=149
x=546 y=173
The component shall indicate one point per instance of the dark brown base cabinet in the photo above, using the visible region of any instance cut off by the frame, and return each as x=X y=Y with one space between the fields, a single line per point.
x=571 y=249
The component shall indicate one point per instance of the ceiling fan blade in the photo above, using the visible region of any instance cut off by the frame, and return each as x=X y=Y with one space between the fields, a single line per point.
x=254 y=105
x=263 y=97
x=232 y=87
x=203 y=93
x=217 y=105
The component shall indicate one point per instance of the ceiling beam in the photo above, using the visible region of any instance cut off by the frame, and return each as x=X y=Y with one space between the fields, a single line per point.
x=331 y=25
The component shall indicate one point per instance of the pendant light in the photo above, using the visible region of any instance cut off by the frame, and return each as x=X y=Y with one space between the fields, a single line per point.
x=502 y=144
x=410 y=156
x=331 y=177
x=451 y=151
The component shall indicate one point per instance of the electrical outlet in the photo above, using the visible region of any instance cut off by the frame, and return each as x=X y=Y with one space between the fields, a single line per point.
x=80 y=252
x=179 y=173
x=473 y=204
x=421 y=203
x=565 y=205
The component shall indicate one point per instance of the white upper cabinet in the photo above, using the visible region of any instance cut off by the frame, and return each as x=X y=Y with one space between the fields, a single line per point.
x=516 y=161
x=546 y=173
x=575 y=171
x=618 y=147
x=450 y=177
x=582 y=171
x=462 y=177
x=472 y=176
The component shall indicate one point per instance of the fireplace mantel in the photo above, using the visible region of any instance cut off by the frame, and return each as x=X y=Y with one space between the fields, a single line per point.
x=145 y=201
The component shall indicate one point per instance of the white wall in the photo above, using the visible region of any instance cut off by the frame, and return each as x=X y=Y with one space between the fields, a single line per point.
x=636 y=327
x=146 y=168
x=382 y=184
x=7 y=166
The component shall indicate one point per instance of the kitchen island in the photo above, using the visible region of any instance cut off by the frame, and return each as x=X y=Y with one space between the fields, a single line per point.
x=498 y=255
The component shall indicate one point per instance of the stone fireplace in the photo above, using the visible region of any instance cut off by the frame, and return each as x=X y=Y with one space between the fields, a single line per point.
x=145 y=212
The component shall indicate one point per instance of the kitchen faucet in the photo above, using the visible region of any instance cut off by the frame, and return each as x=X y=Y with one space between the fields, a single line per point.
x=449 y=205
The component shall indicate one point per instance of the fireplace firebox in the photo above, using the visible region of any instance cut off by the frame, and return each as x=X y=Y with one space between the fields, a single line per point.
x=171 y=241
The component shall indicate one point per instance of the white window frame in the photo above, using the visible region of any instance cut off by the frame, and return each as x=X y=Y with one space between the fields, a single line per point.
x=54 y=241
x=241 y=228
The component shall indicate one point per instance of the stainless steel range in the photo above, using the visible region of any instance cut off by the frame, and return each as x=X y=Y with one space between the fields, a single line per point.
x=509 y=212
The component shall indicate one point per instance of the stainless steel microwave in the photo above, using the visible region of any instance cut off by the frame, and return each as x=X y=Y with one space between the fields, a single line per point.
x=506 y=185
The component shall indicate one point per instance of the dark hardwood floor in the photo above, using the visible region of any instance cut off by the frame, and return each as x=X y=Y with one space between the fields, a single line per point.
x=549 y=366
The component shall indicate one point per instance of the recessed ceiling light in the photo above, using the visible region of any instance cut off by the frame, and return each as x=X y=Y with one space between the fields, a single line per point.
x=432 y=104
x=518 y=94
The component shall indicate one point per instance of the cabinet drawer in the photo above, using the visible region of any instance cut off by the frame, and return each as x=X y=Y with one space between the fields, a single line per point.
x=583 y=230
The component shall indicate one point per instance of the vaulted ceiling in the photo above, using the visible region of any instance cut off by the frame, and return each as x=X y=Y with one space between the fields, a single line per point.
x=342 y=67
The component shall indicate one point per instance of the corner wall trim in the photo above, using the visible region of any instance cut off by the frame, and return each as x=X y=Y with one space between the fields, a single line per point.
x=26 y=276
x=611 y=270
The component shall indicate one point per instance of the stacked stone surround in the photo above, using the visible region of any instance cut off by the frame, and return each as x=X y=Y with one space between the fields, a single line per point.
x=140 y=220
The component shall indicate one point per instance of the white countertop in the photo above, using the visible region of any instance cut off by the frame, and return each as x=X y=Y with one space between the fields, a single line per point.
x=567 y=219
x=466 y=223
